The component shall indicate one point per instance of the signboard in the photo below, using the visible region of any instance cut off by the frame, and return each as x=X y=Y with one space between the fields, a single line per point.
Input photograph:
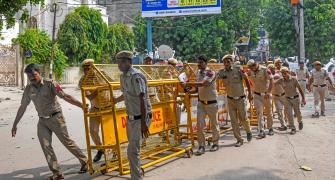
x=163 y=8
x=163 y=117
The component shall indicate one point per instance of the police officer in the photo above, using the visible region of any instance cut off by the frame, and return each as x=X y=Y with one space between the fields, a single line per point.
x=318 y=82
x=263 y=82
x=278 y=64
x=302 y=76
x=51 y=120
x=233 y=80
x=290 y=86
x=207 y=105
x=278 y=97
x=94 y=122
x=134 y=87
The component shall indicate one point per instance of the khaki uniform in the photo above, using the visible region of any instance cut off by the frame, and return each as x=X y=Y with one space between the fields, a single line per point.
x=261 y=83
x=237 y=104
x=319 y=88
x=278 y=100
x=302 y=75
x=51 y=121
x=207 y=94
x=292 y=101
x=133 y=83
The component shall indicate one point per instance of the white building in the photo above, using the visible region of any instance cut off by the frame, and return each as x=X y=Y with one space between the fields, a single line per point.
x=42 y=17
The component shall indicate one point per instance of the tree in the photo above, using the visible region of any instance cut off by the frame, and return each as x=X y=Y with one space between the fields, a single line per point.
x=39 y=43
x=8 y=10
x=212 y=35
x=119 y=38
x=319 y=28
x=83 y=35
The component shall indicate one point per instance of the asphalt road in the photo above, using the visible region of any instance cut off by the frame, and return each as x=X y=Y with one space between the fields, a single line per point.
x=275 y=157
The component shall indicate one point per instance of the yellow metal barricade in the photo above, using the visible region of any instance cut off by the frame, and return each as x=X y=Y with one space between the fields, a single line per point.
x=104 y=80
x=191 y=101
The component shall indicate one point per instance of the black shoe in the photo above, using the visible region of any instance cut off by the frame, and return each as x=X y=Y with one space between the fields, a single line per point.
x=315 y=115
x=323 y=113
x=261 y=134
x=282 y=128
x=98 y=156
x=215 y=147
x=200 y=151
x=83 y=168
x=239 y=143
x=271 y=133
x=249 y=137
x=328 y=99
x=293 y=131
x=301 y=125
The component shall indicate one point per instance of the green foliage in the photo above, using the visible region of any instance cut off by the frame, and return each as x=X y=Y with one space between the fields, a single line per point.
x=319 y=28
x=39 y=43
x=9 y=8
x=212 y=35
x=119 y=38
x=83 y=35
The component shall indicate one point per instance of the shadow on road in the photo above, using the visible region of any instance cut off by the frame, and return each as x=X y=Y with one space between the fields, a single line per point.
x=249 y=173
x=70 y=172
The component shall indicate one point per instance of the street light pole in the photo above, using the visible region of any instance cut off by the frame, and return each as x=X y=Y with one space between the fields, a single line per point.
x=53 y=40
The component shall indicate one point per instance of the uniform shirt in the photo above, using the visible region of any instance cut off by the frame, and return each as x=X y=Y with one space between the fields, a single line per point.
x=319 y=77
x=301 y=74
x=43 y=97
x=133 y=83
x=290 y=86
x=207 y=93
x=277 y=89
x=261 y=79
x=233 y=80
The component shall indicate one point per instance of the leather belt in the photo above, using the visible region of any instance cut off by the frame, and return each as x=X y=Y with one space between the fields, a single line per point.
x=208 y=102
x=293 y=97
x=280 y=95
x=52 y=115
x=323 y=85
x=259 y=94
x=236 y=98
x=132 y=118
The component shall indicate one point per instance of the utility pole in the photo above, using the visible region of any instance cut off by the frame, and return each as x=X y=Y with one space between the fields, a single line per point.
x=301 y=32
x=149 y=35
x=298 y=6
x=53 y=40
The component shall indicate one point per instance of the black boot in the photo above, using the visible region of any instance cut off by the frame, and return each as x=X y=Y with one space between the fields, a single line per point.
x=301 y=125
x=271 y=133
x=98 y=156
x=249 y=137
x=200 y=151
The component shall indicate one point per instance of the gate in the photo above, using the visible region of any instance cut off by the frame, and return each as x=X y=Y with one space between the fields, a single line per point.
x=8 y=69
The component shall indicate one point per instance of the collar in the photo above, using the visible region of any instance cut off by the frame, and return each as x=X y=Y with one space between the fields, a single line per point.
x=207 y=69
x=289 y=78
x=130 y=72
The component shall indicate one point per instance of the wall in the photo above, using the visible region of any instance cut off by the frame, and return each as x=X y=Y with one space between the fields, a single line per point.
x=122 y=11
x=71 y=75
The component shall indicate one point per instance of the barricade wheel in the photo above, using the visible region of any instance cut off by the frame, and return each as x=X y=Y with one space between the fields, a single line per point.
x=189 y=153
x=103 y=171
x=142 y=172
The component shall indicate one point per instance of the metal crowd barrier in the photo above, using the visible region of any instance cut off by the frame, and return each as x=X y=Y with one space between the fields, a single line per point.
x=160 y=146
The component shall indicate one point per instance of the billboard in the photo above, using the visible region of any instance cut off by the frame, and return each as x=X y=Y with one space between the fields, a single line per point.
x=163 y=8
